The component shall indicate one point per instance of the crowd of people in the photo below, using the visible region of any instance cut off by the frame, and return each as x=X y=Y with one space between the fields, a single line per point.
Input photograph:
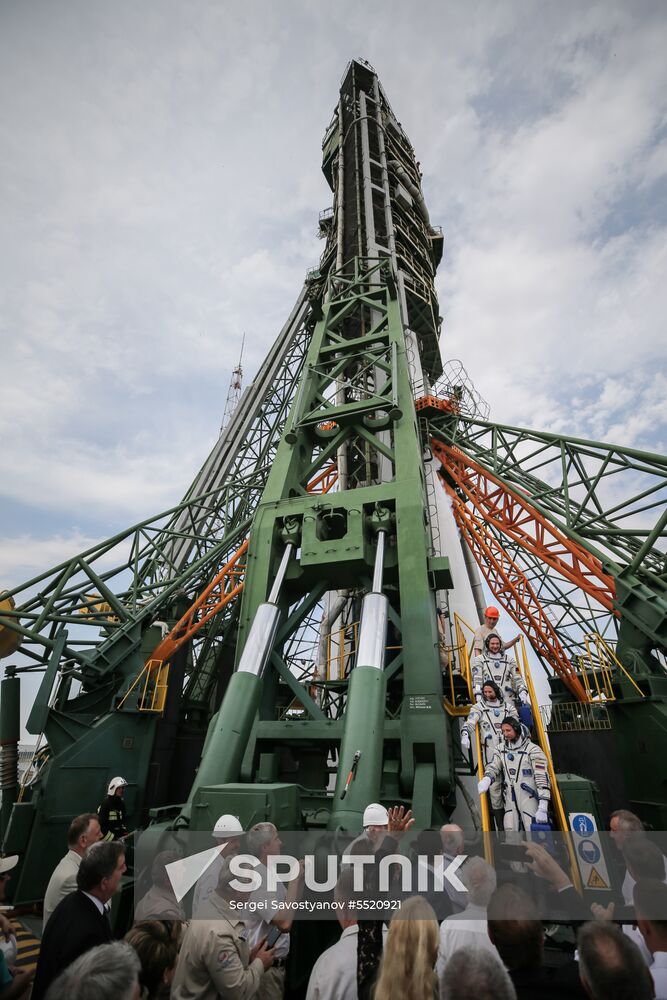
x=484 y=938
x=490 y=943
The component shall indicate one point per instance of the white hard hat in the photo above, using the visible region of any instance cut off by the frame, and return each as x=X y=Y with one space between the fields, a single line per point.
x=6 y=864
x=227 y=827
x=375 y=815
x=114 y=784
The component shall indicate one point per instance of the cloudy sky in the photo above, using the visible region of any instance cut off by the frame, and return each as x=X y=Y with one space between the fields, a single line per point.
x=160 y=184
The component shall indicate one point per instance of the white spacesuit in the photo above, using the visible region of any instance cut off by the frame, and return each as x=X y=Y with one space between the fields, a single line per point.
x=497 y=666
x=487 y=713
x=520 y=768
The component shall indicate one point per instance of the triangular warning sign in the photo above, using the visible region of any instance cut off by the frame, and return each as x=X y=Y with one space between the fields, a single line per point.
x=595 y=880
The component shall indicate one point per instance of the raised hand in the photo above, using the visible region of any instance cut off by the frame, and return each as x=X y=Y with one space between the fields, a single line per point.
x=399 y=820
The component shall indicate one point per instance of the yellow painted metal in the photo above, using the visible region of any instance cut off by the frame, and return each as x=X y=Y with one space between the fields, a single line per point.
x=459 y=625
x=9 y=640
x=347 y=637
x=487 y=827
x=96 y=606
x=598 y=667
x=457 y=656
x=579 y=717
x=155 y=676
x=556 y=800
x=463 y=651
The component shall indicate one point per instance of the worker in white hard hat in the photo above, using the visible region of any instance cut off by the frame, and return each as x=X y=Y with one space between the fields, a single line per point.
x=379 y=823
x=227 y=834
x=375 y=822
x=112 y=811
x=382 y=829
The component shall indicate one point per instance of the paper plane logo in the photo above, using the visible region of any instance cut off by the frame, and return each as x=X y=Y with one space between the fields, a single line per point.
x=184 y=873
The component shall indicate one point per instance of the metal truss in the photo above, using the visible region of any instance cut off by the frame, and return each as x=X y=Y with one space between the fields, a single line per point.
x=93 y=608
x=604 y=496
x=558 y=552
x=500 y=507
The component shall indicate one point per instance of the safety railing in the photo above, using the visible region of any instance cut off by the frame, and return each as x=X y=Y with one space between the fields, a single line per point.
x=153 y=693
x=455 y=663
x=462 y=659
x=599 y=668
x=542 y=740
x=341 y=643
x=578 y=717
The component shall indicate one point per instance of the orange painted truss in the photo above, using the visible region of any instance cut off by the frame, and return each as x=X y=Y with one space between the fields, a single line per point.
x=512 y=589
x=492 y=503
x=324 y=480
x=515 y=517
x=225 y=586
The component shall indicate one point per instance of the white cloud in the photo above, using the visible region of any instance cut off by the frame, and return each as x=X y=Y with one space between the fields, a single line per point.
x=162 y=188
x=26 y=556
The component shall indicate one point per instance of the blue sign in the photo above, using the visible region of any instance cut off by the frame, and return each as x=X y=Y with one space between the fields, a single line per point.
x=582 y=825
x=589 y=851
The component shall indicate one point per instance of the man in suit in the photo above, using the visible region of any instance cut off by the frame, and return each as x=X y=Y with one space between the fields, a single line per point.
x=80 y=921
x=83 y=831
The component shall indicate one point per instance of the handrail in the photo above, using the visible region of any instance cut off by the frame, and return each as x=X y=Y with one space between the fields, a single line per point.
x=597 y=669
x=153 y=696
x=604 y=649
x=485 y=810
x=544 y=744
x=458 y=622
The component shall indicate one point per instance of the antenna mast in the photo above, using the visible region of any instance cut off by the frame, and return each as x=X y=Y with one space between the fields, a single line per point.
x=234 y=392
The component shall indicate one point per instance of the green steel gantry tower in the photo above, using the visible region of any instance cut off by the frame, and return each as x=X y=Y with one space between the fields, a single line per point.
x=291 y=616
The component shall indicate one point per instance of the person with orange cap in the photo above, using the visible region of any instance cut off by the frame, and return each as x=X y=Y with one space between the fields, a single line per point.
x=491 y=617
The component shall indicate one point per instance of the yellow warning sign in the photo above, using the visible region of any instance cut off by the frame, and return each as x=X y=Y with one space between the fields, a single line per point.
x=595 y=880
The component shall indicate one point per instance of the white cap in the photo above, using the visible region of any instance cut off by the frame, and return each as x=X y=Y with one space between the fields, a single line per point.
x=375 y=815
x=6 y=864
x=114 y=784
x=226 y=825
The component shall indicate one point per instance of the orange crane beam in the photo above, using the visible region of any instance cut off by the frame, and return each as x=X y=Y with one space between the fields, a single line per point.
x=515 y=517
x=224 y=587
x=504 y=576
x=512 y=588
